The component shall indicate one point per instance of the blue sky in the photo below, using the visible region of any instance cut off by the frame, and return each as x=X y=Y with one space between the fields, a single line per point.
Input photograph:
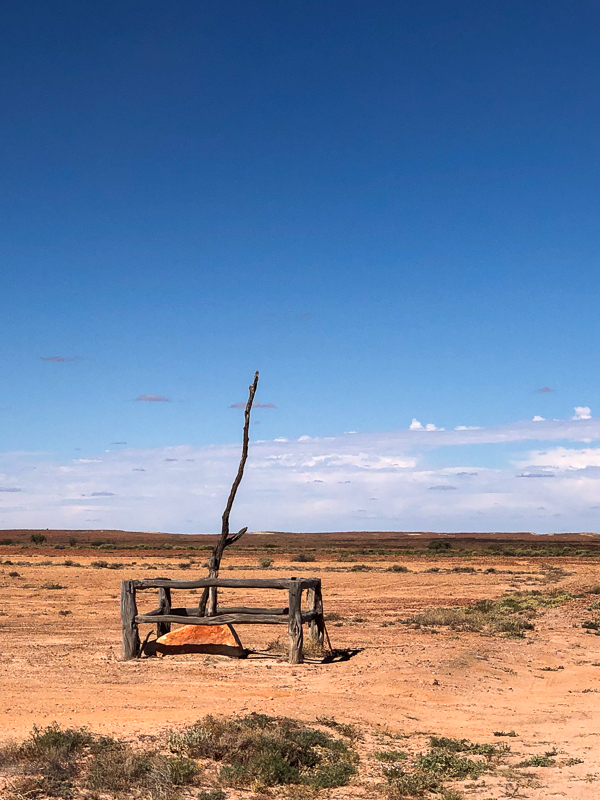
x=389 y=209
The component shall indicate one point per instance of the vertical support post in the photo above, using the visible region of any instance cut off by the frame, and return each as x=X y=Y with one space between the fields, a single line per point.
x=315 y=604
x=164 y=603
x=212 y=602
x=131 y=635
x=295 y=634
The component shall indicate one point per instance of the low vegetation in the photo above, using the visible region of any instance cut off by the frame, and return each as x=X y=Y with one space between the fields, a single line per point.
x=262 y=751
x=510 y=615
x=444 y=761
x=256 y=755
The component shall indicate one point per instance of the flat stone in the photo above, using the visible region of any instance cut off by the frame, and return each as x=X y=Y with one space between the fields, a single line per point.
x=213 y=639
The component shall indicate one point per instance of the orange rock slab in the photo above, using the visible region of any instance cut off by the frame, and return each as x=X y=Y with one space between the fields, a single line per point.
x=213 y=639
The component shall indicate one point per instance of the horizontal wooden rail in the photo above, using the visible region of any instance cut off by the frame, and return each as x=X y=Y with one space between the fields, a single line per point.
x=228 y=583
x=220 y=619
x=248 y=610
x=224 y=619
x=192 y=611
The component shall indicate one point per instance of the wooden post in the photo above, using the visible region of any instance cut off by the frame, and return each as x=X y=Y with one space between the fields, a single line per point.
x=295 y=624
x=131 y=636
x=164 y=603
x=317 y=625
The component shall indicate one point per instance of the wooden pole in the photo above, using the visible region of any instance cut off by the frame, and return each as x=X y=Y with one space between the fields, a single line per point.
x=225 y=540
x=295 y=634
x=131 y=636
x=164 y=603
x=315 y=604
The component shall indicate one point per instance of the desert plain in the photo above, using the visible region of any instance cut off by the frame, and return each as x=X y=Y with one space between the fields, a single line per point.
x=398 y=682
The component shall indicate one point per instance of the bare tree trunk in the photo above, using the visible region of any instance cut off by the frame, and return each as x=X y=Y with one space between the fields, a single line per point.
x=225 y=540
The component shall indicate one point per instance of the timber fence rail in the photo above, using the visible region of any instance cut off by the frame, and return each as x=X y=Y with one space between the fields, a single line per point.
x=165 y=615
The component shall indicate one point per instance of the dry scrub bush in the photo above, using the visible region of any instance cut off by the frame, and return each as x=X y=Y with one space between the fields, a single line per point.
x=54 y=762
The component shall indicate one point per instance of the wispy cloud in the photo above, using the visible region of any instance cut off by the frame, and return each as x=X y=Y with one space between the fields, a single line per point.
x=115 y=443
x=60 y=359
x=328 y=483
x=152 y=398
x=544 y=390
x=9 y=489
x=536 y=475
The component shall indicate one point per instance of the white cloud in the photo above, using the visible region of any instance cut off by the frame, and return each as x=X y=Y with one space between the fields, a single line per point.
x=563 y=458
x=538 y=419
x=467 y=428
x=415 y=425
x=582 y=412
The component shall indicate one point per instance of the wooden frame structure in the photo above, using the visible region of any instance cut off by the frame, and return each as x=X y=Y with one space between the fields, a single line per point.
x=165 y=614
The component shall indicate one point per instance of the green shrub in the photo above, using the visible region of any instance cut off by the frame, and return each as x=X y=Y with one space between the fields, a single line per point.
x=439 y=545
x=38 y=538
x=258 y=750
x=410 y=784
x=448 y=765
x=538 y=761
x=398 y=568
x=265 y=562
x=592 y=625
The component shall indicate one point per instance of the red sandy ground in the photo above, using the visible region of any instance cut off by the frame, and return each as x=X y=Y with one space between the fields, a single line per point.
x=68 y=668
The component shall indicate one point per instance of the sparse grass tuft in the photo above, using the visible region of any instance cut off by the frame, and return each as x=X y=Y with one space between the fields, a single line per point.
x=345 y=728
x=398 y=568
x=265 y=562
x=390 y=755
x=51 y=585
x=303 y=557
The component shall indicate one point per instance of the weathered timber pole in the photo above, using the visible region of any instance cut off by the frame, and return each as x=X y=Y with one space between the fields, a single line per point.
x=131 y=636
x=225 y=540
x=315 y=604
x=164 y=603
x=295 y=635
